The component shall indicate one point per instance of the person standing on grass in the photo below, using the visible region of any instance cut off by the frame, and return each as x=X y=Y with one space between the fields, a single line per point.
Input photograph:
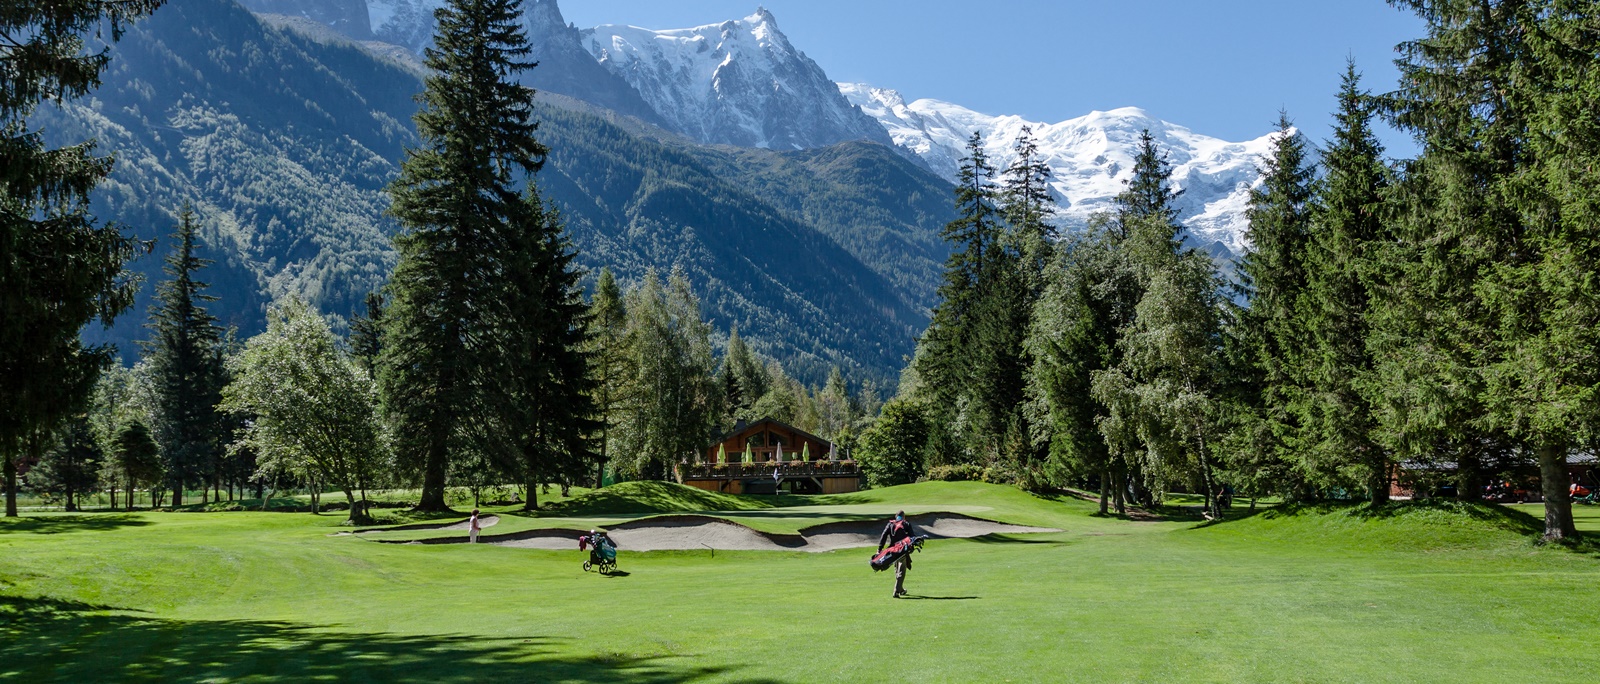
x=897 y=529
x=473 y=527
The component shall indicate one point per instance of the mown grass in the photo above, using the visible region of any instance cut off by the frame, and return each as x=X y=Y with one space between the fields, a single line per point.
x=1324 y=594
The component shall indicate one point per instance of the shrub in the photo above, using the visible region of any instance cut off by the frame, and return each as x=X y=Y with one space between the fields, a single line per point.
x=891 y=452
x=965 y=472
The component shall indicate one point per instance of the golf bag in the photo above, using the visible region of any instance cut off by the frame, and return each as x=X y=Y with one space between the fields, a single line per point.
x=900 y=549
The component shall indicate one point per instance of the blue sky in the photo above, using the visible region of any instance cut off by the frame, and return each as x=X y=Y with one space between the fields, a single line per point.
x=1220 y=67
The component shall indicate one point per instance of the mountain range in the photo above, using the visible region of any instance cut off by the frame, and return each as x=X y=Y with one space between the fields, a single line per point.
x=743 y=83
x=806 y=212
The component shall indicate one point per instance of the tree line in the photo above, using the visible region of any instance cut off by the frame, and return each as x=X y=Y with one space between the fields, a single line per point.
x=1437 y=313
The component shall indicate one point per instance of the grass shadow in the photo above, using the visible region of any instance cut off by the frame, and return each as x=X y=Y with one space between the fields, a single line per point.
x=1013 y=539
x=918 y=597
x=45 y=640
x=56 y=524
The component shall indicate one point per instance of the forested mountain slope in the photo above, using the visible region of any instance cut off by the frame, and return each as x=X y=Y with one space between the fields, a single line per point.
x=284 y=143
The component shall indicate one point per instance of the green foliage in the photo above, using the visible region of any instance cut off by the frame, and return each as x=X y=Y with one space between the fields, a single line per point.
x=964 y=472
x=892 y=451
x=675 y=398
x=186 y=355
x=70 y=469
x=58 y=269
x=313 y=407
x=135 y=458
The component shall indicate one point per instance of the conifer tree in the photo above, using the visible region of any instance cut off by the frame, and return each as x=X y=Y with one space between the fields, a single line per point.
x=457 y=197
x=366 y=333
x=544 y=397
x=747 y=375
x=186 y=356
x=137 y=458
x=1265 y=336
x=611 y=358
x=72 y=468
x=672 y=414
x=58 y=269
x=1341 y=272
x=1482 y=323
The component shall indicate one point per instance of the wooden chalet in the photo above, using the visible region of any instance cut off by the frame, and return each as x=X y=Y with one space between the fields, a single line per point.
x=768 y=456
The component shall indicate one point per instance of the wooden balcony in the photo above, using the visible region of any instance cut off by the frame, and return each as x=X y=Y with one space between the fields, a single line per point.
x=763 y=470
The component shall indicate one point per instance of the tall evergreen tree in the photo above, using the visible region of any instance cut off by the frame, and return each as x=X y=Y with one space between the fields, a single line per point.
x=58 y=269
x=137 y=458
x=457 y=197
x=1342 y=272
x=544 y=397
x=943 y=360
x=1478 y=335
x=1265 y=335
x=611 y=359
x=186 y=356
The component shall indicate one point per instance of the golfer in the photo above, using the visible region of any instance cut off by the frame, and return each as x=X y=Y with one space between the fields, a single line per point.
x=895 y=531
x=473 y=527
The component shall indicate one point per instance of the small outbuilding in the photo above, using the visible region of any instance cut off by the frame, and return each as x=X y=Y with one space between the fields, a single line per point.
x=768 y=456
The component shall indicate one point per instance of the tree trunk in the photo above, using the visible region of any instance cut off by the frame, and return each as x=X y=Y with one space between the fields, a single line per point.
x=10 y=466
x=532 y=502
x=433 y=478
x=1378 y=480
x=1469 y=477
x=1121 y=498
x=1558 y=524
x=177 y=494
x=1213 y=502
x=72 y=505
x=1105 y=489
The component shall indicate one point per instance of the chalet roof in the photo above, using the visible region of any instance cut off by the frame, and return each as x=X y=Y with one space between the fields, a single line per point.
x=747 y=427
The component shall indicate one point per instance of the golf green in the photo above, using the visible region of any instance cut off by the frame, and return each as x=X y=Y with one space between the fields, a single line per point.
x=1413 y=592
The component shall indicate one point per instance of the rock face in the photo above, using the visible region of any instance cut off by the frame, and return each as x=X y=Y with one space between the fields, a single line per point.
x=738 y=82
x=348 y=17
x=565 y=67
x=1091 y=156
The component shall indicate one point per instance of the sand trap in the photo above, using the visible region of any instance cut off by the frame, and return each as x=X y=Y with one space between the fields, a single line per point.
x=696 y=532
x=483 y=521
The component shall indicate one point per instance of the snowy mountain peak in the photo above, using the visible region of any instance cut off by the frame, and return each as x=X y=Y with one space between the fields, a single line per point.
x=739 y=82
x=1090 y=157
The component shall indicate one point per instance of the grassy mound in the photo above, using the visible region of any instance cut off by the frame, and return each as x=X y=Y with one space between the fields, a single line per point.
x=1416 y=525
x=642 y=498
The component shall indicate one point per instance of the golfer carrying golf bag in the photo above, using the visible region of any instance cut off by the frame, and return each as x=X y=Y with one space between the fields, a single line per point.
x=896 y=531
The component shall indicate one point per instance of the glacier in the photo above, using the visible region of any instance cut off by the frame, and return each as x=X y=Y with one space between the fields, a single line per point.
x=1090 y=157
x=739 y=82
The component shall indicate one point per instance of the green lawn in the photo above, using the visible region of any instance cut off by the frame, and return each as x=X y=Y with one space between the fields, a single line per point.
x=1427 y=593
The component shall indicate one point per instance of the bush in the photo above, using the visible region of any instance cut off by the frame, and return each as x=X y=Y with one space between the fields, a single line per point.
x=965 y=472
x=891 y=452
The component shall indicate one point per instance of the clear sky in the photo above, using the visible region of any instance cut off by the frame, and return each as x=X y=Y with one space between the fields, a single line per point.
x=1221 y=67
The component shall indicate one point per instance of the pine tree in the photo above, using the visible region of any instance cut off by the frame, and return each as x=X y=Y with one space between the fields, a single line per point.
x=137 y=458
x=70 y=470
x=747 y=375
x=1149 y=194
x=1341 y=273
x=544 y=397
x=1479 y=325
x=1265 y=336
x=366 y=333
x=457 y=198
x=944 y=359
x=58 y=269
x=611 y=359
x=186 y=356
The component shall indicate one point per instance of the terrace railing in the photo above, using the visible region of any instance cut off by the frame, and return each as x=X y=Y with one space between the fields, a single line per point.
x=786 y=469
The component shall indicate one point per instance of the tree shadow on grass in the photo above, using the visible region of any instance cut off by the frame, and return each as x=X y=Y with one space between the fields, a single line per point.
x=1014 y=539
x=919 y=597
x=47 y=640
x=56 y=524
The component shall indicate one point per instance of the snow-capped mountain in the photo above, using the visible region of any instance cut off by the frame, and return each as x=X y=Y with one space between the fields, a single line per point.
x=1090 y=157
x=348 y=17
x=738 y=82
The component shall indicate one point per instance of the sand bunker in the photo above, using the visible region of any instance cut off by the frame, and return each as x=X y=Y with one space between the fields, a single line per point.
x=696 y=532
x=483 y=521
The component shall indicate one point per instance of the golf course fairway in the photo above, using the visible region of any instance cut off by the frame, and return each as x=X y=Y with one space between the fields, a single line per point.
x=1410 y=592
